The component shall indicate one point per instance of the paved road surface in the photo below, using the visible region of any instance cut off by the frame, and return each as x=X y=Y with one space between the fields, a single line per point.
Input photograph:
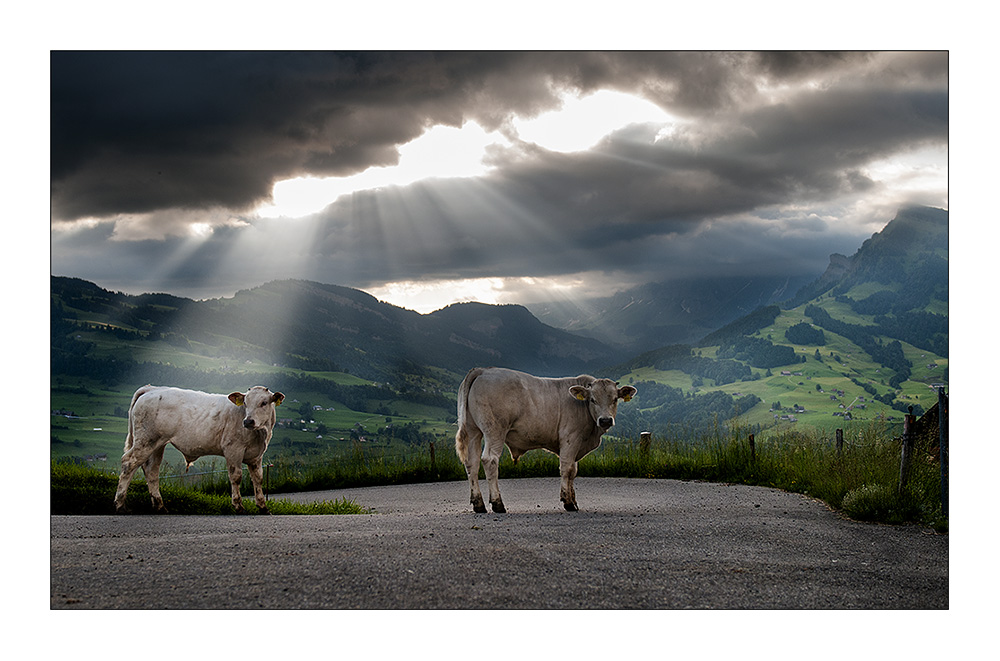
x=650 y=544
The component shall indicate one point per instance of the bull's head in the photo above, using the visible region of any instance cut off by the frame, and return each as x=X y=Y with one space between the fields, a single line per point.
x=259 y=403
x=602 y=396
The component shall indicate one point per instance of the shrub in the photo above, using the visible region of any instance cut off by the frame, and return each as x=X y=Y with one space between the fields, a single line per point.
x=880 y=502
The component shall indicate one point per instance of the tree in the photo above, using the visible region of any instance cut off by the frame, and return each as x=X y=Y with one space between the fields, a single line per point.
x=803 y=333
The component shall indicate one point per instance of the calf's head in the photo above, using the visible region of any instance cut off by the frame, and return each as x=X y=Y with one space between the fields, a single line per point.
x=259 y=403
x=602 y=396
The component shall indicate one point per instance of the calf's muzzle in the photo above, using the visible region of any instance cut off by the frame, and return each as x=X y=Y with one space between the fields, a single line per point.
x=606 y=423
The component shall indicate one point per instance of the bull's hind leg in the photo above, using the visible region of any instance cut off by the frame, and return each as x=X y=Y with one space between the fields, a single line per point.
x=152 y=471
x=471 y=461
x=491 y=464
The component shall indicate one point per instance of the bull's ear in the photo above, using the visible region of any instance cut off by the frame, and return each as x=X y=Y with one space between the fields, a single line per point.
x=580 y=392
x=277 y=398
x=237 y=398
x=627 y=393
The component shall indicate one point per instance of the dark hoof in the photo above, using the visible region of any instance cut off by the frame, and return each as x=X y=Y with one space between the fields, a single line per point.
x=263 y=510
x=122 y=509
x=571 y=507
x=479 y=508
x=498 y=507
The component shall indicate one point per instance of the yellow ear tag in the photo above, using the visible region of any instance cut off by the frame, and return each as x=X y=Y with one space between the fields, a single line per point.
x=582 y=398
x=628 y=398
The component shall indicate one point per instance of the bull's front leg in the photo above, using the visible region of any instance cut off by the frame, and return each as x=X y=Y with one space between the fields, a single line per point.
x=235 y=475
x=257 y=477
x=567 y=472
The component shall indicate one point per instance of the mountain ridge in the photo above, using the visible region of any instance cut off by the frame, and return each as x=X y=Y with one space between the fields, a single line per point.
x=320 y=326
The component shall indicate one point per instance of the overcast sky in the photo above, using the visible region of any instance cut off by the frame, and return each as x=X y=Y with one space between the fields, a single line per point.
x=428 y=177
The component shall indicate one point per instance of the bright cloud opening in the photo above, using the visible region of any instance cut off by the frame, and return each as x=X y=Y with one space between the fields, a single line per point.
x=582 y=122
x=441 y=152
x=426 y=296
x=449 y=152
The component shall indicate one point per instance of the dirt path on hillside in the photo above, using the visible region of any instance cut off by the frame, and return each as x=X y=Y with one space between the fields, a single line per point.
x=635 y=544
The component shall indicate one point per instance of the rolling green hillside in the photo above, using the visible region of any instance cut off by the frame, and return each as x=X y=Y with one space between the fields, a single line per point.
x=859 y=346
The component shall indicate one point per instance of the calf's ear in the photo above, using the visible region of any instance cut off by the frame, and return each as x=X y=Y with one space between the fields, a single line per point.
x=627 y=393
x=277 y=398
x=237 y=398
x=580 y=392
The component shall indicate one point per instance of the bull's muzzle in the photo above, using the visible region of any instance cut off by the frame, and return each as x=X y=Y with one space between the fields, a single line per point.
x=606 y=423
x=248 y=423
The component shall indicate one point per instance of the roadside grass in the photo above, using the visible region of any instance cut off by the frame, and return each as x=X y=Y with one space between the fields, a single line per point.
x=79 y=489
x=861 y=482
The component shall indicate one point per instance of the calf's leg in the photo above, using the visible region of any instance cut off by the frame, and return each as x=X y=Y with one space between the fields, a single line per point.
x=257 y=477
x=132 y=460
x=152 y=471
x=235 y=475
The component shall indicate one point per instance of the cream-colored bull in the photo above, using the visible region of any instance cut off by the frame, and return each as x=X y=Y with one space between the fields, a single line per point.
x=564 y=416
x=236 y=426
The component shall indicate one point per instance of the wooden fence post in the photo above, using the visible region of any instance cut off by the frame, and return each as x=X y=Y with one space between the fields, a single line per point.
x=645 y=440
x=840 y=442
x=907 y=454
x=943 y=447
x=753 y=449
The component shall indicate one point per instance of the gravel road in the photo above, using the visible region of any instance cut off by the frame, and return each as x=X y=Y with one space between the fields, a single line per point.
x=648 y=544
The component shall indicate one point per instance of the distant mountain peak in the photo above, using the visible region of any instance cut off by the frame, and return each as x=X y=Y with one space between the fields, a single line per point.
x=914 y=231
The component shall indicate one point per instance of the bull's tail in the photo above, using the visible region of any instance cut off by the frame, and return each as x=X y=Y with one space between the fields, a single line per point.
x=462 y=437
x=130 y=436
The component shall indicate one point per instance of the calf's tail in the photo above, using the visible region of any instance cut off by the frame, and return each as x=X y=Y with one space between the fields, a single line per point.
x=462 y=437
x=130 y=436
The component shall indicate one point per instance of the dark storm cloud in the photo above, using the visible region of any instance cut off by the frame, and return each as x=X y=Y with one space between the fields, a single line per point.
x=765 y=145
x=140 y=132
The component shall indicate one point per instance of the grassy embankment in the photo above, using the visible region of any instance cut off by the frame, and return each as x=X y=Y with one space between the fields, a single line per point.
x=861 y=481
